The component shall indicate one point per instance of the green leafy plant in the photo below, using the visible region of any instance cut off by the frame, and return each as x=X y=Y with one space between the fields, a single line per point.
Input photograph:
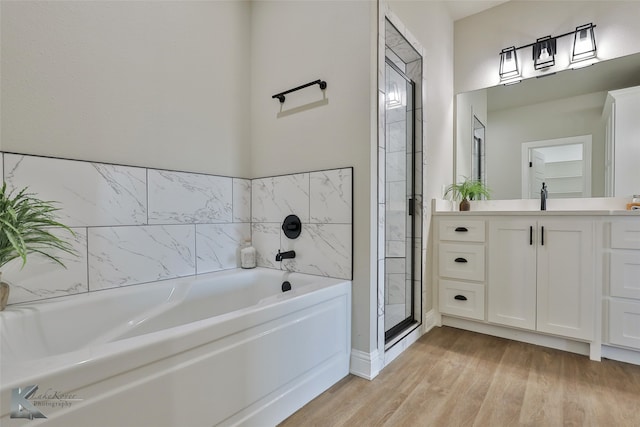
x=469 y=189
x=25 y=227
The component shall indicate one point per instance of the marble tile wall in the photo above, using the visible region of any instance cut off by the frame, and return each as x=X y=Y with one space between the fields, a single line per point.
x=135 y=225
x=131 y=224
x=323 y=201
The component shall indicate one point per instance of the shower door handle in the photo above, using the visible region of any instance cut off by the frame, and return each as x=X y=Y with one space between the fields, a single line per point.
x=411 y=207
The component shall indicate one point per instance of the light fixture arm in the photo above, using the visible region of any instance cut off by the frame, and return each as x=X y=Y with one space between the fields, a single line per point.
x=570 y=33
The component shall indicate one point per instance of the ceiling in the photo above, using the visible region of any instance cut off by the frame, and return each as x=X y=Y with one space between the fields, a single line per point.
x=459 y=9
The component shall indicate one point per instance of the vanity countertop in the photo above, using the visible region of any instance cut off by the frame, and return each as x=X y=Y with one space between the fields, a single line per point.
x=602 y=206
x=543 y=213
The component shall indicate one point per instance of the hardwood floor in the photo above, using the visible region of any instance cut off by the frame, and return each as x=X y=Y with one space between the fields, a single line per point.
x=451 y=377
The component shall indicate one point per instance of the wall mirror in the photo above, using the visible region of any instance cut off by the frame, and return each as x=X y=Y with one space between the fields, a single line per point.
x=559 y=106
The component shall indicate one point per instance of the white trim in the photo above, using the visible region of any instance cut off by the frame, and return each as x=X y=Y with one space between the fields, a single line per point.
x=413 y=336
x=431 y=320
x=399 y=347
x=621 y=354
x=585 y=140
x=365 y=365
x=530 y=337
x=385 y=13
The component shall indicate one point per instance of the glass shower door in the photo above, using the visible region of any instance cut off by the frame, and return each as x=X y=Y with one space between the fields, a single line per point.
x=400 y=197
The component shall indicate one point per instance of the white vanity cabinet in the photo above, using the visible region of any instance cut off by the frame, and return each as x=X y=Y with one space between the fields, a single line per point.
x=461 y=268
x=623 y=297
x=541 y=275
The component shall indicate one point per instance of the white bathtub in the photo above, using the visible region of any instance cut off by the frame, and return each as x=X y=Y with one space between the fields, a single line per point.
x=225 y=348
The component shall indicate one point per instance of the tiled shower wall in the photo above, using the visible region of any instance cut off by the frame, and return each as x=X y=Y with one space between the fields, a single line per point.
x=323 y=202
x=136 y=225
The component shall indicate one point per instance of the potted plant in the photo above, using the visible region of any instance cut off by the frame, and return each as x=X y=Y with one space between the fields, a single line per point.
x=25 y=225
x=469 y=189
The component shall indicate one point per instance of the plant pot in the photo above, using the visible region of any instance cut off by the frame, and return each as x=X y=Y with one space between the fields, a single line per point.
x=4 y=293
x=465 y=205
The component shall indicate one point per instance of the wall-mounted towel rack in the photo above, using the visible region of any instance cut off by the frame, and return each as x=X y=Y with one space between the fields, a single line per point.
x=281 y=98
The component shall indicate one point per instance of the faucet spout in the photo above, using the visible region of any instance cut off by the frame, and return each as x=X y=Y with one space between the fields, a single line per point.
x=543 y=197
x=285 y=255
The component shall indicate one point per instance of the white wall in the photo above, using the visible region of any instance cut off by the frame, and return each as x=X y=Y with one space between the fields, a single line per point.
x=480 y=38
x=297 y=42
x=158 y=84
x=430 y=23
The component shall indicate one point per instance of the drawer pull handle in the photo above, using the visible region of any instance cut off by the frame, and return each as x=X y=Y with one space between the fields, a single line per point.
x=460 y=297
x=461 y=229
x=460 y=260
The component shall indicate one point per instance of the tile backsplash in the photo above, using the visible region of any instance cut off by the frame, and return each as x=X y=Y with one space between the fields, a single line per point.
x=136 y=225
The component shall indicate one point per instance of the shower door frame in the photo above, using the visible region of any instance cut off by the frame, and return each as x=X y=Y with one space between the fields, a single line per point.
x=407 y=322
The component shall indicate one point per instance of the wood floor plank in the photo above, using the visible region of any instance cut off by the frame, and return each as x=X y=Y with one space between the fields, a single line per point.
x=451 y=377
x=477 y=365
x=542 y=403
x=503 y=403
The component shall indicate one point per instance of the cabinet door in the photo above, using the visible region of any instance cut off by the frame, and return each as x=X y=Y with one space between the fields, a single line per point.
x=566 y=286
x=511 y=279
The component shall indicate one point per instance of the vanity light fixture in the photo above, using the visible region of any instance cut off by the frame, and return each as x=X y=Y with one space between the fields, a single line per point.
x=509 y=68
x=584 y=43
x=544 y=53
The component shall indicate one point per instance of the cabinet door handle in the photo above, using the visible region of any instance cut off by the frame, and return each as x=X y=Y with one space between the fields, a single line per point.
x=531 y=235
x=460 y=260
x=461 y=229
x=542 y=236
x=460 y=297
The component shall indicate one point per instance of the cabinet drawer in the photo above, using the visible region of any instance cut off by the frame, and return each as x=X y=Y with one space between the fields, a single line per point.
x=461 y=230
x=625 y=274
x=461 y=299
x=461 y=261
x=625 y=234
x=624 y=323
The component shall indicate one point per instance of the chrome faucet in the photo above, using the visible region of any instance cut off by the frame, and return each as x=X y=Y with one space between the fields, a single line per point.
x=543 y=197
x=285 y=255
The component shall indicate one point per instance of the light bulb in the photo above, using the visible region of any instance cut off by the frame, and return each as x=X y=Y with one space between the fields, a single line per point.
x=544 y=54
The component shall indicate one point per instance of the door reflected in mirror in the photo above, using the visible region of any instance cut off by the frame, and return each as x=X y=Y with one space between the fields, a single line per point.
x=478 y=158
x=563 y=164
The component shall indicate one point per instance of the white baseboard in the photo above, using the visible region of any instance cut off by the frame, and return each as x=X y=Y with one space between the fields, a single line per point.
x=369 y=365
x=518 y=335
x=365 y=365
x=621 y=354
x=431 y=320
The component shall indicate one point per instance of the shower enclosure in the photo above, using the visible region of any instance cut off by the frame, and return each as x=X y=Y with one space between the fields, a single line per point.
x=402 y=179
